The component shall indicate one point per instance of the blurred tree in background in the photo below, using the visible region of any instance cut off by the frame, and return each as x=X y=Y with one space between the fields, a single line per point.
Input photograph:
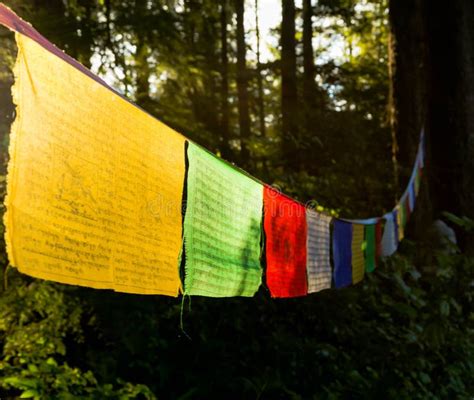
x=321 y=105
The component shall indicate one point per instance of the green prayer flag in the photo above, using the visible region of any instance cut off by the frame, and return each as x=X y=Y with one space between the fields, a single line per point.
x=370 y=248
x=417 y=183
x=222 y=228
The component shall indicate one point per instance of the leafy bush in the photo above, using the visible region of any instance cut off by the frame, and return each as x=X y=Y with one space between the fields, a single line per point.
x=406 y=332
x=36 y=320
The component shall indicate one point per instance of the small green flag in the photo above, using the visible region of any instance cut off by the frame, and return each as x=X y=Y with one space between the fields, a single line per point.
x=222 y=229
x=370 y=248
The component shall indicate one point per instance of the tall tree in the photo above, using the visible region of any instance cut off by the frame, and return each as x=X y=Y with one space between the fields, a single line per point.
x=225 y=149
x=308 y=54
x=408 y=84
x=434 y=85
x=289 y=97
x=450 y=34
x=312 y=98
x=261 y=100
x=242 y=82
x=141 y=56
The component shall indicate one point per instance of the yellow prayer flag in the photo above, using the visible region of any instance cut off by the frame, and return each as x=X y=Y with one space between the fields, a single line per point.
x=358 y=262
x=401 y=228
x=94 y=183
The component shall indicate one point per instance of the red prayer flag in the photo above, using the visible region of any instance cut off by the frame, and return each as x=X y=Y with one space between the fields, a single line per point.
x=285 y=231
x=378 y=241
x=407 y=209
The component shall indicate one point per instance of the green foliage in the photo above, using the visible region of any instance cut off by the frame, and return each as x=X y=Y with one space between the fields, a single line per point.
x=401 y=334
x=37 y=319
x=463 y=222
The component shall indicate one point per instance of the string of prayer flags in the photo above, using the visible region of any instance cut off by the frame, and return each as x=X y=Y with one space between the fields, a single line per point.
x=356 y=248
x=285 y=232
x=95 y=195
x=395 y=221
x=94 y=184
x=318 y=251
x=222 y=228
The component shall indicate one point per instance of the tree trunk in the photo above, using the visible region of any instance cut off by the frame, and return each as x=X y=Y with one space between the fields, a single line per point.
x=308 y=65
x=450 y=31
x=143 y=72
x=433 y=84
x=242 y=83
x=308 y=58
x=408 y=83
x=261 y=101
x=141 y=58
x=407 y=69
x=225 y=149
x=289 y=97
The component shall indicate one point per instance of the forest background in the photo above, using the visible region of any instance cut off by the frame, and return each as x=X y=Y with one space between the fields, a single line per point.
x=324 y=99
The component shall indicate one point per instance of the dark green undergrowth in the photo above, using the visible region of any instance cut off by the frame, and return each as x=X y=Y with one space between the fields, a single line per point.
x=404 y=333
